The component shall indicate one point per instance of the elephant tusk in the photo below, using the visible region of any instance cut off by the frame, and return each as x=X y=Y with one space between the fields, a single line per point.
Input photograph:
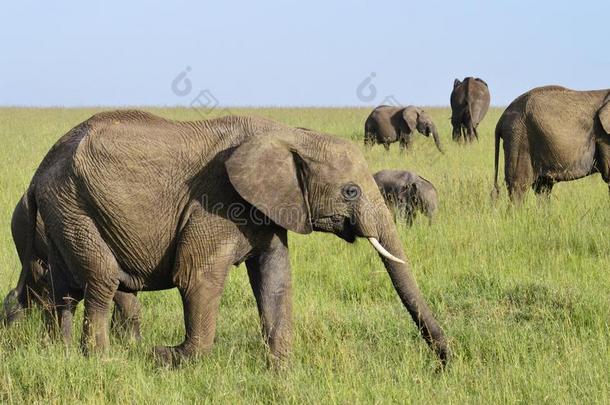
x=383 y=252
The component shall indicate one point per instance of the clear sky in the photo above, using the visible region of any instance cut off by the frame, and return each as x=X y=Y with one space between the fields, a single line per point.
x=297 y=53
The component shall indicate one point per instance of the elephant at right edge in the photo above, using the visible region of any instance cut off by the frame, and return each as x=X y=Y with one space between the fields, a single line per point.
x=553 y=134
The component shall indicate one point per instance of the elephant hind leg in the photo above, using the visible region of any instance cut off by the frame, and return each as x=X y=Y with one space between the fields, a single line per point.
x=519 y=176
x=516 y=192
x=464 y=133
x=89 y=259
x=60 y=301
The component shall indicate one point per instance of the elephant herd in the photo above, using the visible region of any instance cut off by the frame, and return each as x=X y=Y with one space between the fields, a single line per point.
x=469 y=103
x=226 y=191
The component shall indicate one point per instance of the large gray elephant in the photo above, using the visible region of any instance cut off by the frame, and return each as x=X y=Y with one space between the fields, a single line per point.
x=132 y=201
x=35 y=287
x=407 y=193
x=387 y=124
x=553 y=134
x=469 y=104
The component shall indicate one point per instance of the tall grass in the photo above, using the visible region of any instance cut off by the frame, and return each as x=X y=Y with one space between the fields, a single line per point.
x=523 y=294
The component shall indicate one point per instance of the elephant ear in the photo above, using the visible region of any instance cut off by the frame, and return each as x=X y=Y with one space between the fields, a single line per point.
x=604 y=116
x=268 y=172
x=410 y=115
x=456 y=83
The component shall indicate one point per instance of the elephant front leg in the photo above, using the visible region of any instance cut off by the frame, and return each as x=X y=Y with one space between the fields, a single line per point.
x=270 y=278
x=200 y=301
x=405 y=142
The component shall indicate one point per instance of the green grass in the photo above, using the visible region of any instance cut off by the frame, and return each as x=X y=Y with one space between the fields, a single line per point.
x=523 y=294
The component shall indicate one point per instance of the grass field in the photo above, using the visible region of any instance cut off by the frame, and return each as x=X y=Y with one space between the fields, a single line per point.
x=524 y=295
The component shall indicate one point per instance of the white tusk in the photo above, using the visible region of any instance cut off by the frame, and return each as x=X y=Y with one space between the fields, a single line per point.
x=384 y=252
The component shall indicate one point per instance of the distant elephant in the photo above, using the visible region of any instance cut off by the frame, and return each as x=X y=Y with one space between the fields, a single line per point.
x=132 y=201
x=387 y=124
x=469 y=104
x=35 y=285
x=553 y=134
x=407 y=193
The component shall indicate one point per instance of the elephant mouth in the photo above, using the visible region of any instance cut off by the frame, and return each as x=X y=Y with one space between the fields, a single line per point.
x=348 y=233
x=339 y=225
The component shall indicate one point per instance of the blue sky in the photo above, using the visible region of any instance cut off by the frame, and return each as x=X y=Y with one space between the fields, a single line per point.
x=297 y=53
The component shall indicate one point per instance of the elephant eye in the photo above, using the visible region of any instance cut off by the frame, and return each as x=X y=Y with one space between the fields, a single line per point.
x=351 y=192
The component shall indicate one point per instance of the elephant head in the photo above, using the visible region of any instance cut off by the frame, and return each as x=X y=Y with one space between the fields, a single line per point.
x=418 y=119
x=314 y=182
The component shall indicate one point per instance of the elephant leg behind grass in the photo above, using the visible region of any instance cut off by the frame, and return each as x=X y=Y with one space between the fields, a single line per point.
x=100 y=288
x=50 y=289
x=58 y=308
x=405 y=142
x=126 y=317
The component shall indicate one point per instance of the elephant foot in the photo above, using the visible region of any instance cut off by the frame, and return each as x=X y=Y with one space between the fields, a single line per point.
x=172 y=357
x=277 y=362
x=166 y=356
x=90 y=349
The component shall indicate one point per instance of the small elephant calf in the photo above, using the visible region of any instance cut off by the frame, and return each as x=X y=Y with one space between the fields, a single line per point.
x=406 y=193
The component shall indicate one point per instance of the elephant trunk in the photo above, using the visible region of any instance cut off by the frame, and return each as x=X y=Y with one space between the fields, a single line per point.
x=406 y=287
x=12 y=308
x=437 y=140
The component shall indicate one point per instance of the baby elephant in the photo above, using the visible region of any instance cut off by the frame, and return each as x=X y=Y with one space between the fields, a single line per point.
x=387 y=124
x=406 y=193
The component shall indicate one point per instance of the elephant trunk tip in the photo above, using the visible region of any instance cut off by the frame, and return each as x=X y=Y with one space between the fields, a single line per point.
x=12 y=308
x=444 y=356
x=438 y=343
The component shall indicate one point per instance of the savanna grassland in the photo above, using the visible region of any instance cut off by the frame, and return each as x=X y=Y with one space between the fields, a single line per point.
x=523 y=294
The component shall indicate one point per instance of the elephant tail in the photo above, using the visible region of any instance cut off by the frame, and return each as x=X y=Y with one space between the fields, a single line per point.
x=496 y=190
